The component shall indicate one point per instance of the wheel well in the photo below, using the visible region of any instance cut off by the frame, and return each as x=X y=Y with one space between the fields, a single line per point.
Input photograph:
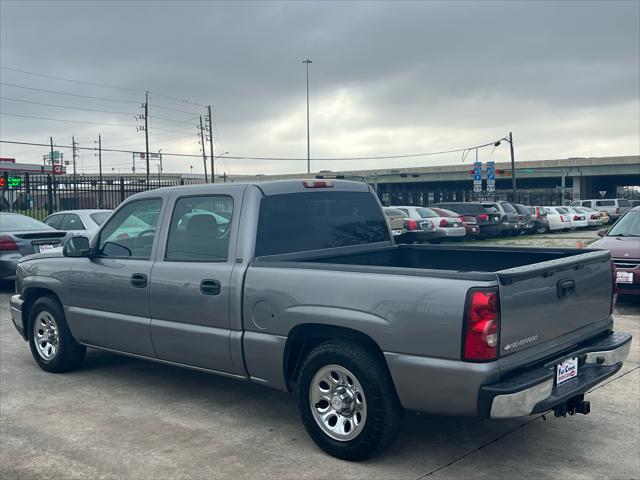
x=304 y=338
x=30 y=296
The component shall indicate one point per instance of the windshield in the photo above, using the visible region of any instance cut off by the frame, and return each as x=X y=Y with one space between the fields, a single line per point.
x=100 y=217
x=20 y=223
x=627 y=226
x=425 y=212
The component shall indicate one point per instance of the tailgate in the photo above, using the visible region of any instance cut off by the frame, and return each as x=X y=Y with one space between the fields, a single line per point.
x=542 y=301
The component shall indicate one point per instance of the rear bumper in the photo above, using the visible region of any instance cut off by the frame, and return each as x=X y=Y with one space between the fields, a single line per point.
x=416 y=236
x=534 y=390
x=15 y=306
x=450 y=232
x=490 y=229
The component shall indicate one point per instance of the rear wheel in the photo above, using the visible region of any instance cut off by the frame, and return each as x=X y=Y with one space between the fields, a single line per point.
x=347 y=400
x=53 y=347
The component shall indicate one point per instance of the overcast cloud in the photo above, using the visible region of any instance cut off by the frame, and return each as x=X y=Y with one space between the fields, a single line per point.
x=386 y=78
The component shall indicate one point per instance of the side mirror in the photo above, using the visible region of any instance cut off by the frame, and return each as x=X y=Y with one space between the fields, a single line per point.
x=76 y=247
x=602 y=232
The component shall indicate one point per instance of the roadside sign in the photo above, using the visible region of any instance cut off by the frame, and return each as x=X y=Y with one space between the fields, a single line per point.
x=477 y=176
x=491 y=177
x=602 y=193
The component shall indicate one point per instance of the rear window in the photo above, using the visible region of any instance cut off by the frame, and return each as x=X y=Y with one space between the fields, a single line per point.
x=623 y=202
x=20 y=223
x=508 y=207
x=297 y=222
x=464 y=208
x=605 y=203
x=522 y=209
x=562 y=210
x=426 y=213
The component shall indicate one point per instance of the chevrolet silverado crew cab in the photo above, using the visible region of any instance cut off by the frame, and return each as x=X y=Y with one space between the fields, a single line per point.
x=298 y=285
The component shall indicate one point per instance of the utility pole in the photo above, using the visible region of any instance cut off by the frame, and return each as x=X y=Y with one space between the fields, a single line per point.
x=204 y=154
x=513 y=168
x=75 y=178
x=146 y=132
x=100 y=171
x=307 y=62
x=213 y=171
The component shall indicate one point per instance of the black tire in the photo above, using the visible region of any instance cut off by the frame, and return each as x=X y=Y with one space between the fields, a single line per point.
x=384 y=412
x=69 y=353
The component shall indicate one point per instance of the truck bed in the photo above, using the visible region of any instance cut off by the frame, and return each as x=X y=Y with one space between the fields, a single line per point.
x=453 y=258
x=553 y=295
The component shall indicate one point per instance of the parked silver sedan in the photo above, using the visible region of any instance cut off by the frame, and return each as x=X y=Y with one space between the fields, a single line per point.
x=78 y=222
x=21 y=235
x=444 y=227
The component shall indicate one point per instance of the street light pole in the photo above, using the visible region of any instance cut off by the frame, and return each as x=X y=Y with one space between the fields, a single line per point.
x=307 y=62
x=513 y=168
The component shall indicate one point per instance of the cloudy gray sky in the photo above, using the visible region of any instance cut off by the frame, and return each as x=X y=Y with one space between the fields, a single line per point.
x=387 y=78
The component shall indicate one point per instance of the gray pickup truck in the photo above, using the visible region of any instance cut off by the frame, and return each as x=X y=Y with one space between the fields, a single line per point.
x=299 y=286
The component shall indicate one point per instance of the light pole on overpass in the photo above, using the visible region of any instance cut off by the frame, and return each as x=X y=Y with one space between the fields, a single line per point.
x=509 y=139
x=307 y=62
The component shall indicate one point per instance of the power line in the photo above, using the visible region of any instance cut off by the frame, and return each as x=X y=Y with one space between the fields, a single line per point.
x=188 y=122
x=169 y=108
x=68 y=94
x=64 y=106
x=70 y=80
x=100 y=85
x=67 y=121
x=442 y=152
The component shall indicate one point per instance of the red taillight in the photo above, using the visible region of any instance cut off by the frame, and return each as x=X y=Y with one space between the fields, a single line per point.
x=444 y=223
x=317 y=184
x=594 y=217
x=576 y=218
x=483 y=217
x=617 y=211
x=614 y=287
x=7 y=244
x=412 y=225
x=482 y=325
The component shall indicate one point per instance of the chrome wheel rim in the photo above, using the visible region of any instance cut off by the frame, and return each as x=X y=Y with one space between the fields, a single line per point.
x=338 y=403
x=45 y=336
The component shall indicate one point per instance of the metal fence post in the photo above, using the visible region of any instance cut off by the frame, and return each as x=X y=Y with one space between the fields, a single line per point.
x=49 y=195
x=122 y=189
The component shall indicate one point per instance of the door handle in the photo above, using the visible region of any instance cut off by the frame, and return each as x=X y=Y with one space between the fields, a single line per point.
x=210 y=287
x=138 y=280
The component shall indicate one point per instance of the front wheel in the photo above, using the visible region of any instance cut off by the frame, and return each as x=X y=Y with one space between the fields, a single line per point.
x=347 y=400
x=53 y=347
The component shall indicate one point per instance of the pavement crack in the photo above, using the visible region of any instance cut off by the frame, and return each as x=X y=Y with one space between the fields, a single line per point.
x=497 y=439
x=462 y=457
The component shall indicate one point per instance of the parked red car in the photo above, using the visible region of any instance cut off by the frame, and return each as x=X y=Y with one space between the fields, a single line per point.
x=469 y=221
x=623 y=241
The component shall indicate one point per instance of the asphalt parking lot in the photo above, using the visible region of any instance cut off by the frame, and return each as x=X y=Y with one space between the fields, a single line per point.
x=119 y=417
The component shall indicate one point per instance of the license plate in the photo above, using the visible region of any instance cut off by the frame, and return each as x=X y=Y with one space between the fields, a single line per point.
x=45 y=246
x=624 y=277
x=455 y=225
x=396 y=232
x=567 y=370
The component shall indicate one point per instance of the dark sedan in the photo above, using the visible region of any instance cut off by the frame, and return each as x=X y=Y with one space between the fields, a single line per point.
x=21 y=235
x=623 y=241
x=488 y=222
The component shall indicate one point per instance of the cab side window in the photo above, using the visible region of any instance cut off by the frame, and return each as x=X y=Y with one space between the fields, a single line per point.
x=200 y=229
x=126 y=234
